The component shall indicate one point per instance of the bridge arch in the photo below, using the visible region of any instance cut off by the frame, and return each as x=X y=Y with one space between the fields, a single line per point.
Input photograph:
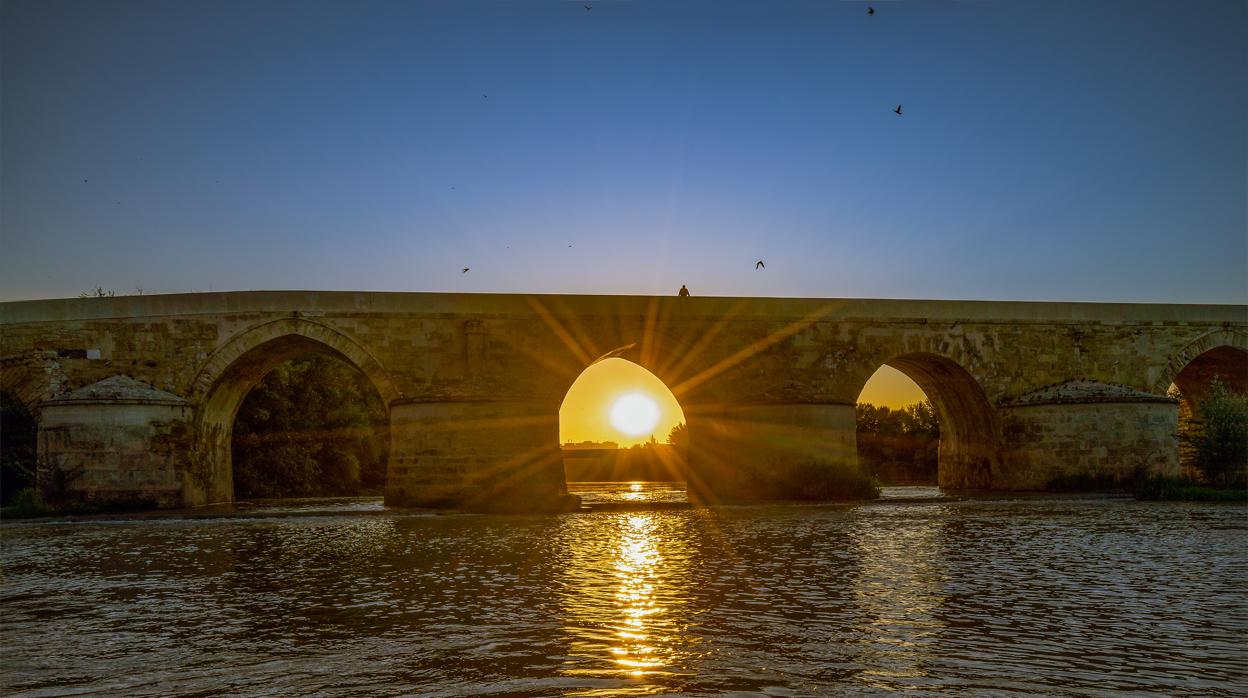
x=231 y=372
x=969 y=427
x=32 y=377
x=591 y=408
x=1223 y=353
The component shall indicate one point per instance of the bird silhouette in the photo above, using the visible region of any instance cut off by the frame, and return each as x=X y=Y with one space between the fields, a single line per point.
x=588 y=7
x=485 y=96
x=898 y=110
x=870 y=11
x=465 y=271
x=84 y=181
x=759 y=265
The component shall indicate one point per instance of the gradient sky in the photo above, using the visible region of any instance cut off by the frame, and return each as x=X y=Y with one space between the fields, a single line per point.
x=1048 y=150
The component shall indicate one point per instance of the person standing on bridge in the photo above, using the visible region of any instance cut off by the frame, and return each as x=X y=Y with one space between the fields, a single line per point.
x=683 y=291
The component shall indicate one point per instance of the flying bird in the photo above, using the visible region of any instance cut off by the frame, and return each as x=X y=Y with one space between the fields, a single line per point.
x=759 y=265
x=588 y=7
x=465 y=271
x=870 y=11
x=898 y=110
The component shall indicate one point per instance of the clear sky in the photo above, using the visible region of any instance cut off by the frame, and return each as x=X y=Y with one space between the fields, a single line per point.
x=1046 y=150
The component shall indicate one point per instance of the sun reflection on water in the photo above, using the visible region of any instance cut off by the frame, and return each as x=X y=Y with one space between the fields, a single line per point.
x=626 y=591
x=636 y=567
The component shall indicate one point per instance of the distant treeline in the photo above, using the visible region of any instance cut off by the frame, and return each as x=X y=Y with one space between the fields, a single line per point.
x=312 y=427
x=899 y=447
x=643 y=462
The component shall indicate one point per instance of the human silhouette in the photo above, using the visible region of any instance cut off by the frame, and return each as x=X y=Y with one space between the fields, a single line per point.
x=683 y=291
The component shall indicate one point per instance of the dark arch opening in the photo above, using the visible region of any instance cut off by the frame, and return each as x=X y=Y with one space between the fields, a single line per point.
x=312 y=427
x=1194 y=388
x=897 y=431
x=1228 y=364
x=968 y=443
x=19 y=429
x=224 y=400
x=602 y=460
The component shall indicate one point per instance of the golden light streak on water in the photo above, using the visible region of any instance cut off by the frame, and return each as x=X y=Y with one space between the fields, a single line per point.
x=637 y=567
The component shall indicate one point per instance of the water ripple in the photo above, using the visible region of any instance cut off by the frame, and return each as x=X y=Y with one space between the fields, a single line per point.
x=1012 y=598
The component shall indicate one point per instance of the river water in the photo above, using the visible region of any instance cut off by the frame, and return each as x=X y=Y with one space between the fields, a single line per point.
x=1021 y=597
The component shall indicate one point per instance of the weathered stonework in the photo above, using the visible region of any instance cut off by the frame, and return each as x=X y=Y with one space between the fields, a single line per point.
x=1086 y=428
x=486 y=455
x=474 y=381
x=117 y=439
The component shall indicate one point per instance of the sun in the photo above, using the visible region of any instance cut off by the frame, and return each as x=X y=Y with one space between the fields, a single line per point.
x=634 y=414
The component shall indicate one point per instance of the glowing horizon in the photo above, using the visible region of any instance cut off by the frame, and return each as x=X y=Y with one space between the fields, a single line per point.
x=891 y=388
x=587 y=410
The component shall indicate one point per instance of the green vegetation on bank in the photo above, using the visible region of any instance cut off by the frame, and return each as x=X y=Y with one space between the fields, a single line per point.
x=817 y=480
x=899 y=447
x=1178 y=489
x=313 y=427
x=1217 y=437
x=26 y=503
x=1155 y=488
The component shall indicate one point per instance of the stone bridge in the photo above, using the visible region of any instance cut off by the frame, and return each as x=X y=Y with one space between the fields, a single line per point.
x=140 y=392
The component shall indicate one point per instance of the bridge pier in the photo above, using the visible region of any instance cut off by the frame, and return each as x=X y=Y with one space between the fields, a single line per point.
x=753 y=452
x=476 y=454
x=1082 y=430
x=116 y=440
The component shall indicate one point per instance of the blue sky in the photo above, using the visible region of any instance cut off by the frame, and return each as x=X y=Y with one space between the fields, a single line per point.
x=1047 y=151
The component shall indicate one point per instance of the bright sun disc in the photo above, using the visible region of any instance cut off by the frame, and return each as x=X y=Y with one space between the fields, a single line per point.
x=635 y=414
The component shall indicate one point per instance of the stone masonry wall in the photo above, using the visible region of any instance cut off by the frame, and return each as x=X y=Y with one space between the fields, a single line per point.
x=1097 y=440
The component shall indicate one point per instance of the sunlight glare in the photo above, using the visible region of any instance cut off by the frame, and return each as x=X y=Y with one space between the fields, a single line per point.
x=635 y=414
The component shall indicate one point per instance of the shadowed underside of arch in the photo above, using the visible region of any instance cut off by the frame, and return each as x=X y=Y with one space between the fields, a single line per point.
x=1228 y=364
x=235 y=369
x=969 y=434
x=1223 y=352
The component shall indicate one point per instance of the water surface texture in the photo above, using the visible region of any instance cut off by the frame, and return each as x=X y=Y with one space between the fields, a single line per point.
x=1047 y=597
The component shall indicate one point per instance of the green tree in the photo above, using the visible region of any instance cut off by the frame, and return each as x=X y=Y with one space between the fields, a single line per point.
x=899 y=446
x=679 y=437
x=1218 y=436
x=312 y=427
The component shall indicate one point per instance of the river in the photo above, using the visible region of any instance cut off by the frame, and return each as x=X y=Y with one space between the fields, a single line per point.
x=1009 y=597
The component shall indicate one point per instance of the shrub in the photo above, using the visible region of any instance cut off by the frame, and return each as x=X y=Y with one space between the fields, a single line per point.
x=820 y=480
x=1218 y=438
x=1171 y=489
x=26 y=504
